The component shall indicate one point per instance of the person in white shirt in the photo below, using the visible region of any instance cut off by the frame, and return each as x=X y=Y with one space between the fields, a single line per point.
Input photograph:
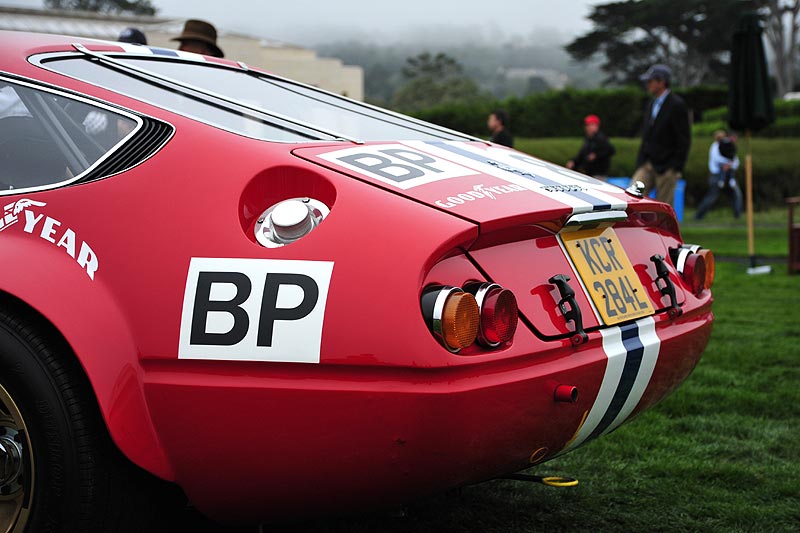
x=722 y=164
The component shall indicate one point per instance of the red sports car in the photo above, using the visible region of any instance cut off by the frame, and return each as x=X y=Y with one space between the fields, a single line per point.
x=287 y=302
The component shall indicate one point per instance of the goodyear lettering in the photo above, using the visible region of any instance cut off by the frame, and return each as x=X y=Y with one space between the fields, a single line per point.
x=50 y=230
x=479 y=192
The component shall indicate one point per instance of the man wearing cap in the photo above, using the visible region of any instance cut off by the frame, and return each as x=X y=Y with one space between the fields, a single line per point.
x=132 y=36
x=594 y=157
x=665 y=136
x=200 y=37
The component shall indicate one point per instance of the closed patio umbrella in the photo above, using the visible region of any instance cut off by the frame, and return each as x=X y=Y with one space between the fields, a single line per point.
x=750 y=105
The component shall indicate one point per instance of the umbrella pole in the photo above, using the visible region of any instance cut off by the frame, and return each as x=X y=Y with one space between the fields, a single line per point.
x=748 y=172
x=751 y=248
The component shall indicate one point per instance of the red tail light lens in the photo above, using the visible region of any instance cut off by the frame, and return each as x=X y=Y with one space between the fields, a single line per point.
x=694 y=272
x=499 y=313
x=696 y=265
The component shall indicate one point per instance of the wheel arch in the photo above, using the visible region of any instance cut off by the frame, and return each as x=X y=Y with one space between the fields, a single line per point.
x=108 y=360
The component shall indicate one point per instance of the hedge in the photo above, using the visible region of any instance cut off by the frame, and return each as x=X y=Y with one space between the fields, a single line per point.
x=560 y=113
x=787 y=120
x=775 y=169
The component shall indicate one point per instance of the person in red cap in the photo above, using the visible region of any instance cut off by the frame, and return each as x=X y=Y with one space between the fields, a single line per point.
x=200 y=37
x=594 y=157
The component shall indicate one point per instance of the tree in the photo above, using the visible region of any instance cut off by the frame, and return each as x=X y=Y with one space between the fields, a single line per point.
x=439 y=66
x=782 y=29
x=692 y=36
x=433 y=80
x=132 y=7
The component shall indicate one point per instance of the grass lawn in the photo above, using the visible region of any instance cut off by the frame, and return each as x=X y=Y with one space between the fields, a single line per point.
x=727 y=236
x=720 y=454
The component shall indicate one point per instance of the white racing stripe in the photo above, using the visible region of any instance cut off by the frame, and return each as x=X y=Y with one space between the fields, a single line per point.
x=652 y=345
x=577 y=205
x=632 y=353
x=516 y=161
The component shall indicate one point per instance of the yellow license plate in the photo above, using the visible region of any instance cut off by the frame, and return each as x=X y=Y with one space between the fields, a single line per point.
x=607 y=274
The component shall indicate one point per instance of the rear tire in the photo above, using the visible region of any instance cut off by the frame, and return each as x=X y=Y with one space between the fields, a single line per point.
x=72 y=476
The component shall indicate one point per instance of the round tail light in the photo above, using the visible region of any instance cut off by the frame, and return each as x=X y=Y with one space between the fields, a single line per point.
x=694 y=272
x=453 y=316
x=499 y=314
x=708 y=255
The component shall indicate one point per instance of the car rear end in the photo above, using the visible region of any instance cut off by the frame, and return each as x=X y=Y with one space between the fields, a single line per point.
x=486 y=310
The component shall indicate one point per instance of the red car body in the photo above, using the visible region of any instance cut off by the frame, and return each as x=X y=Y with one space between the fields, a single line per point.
x=375 y=411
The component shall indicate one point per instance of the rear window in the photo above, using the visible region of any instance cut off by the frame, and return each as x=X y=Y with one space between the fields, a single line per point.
x=49 y=139
x=291 y=112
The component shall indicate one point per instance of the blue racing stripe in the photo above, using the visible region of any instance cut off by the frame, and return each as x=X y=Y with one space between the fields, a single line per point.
x=597 y=204
x=163 y=52
x=633 y=361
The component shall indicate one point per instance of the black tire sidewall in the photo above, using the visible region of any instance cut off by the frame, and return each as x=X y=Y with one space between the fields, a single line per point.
x=27 y=373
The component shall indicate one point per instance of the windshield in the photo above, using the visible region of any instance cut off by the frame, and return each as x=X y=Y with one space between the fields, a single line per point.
x=268 y=108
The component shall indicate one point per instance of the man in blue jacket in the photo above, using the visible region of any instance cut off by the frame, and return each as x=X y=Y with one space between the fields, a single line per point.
x=666 y=136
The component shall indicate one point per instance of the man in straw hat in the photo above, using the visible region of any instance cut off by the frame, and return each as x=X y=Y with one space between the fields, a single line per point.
x=199 y=37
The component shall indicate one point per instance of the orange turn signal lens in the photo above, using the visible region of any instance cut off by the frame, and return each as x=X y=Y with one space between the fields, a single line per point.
x=452 y=315
x=460 y=321
x=708 y=255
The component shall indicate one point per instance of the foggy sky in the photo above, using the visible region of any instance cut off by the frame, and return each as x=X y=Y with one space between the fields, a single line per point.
x=308 y=22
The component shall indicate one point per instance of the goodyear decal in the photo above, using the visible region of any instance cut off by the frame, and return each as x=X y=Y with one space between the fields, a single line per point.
x=581 y=193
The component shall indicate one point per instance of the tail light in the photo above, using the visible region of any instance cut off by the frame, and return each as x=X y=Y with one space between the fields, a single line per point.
x=482 y=312
x=696 y=265
x=499 y=313
x=452 y=315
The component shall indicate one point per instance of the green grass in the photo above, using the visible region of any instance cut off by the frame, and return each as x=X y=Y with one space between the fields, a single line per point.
x=727 y=236
x=775 y=170
x=720 y=454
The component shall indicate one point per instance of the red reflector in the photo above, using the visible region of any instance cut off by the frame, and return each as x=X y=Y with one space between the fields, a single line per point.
x=694 y=272
x=499 y=316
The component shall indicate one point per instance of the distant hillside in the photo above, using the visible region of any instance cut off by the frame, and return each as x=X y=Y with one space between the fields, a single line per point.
x=504 y=69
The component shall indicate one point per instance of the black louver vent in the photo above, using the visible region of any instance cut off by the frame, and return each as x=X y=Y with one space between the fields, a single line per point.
x=145 y=143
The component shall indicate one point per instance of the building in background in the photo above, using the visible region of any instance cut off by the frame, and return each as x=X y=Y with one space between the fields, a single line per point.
x=301 y=64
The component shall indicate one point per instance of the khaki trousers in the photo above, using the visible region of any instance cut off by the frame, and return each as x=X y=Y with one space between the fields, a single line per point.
x=664 y=182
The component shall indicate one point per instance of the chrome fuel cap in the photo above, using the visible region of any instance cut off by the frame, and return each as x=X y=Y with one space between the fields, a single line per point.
x=291 y=220
x=288 y=221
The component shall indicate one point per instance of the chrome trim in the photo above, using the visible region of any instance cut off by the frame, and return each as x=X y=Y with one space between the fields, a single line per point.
x=187 y=86
x=694 y=248
x=595 y=218
x=93 y=103
x=436 y=315
x=683 y=254
x=480 y=294
x=462 y=136
x=636 y=189
x=265 y=231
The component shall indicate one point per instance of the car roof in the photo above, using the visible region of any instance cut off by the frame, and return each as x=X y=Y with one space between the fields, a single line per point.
x=18 y=46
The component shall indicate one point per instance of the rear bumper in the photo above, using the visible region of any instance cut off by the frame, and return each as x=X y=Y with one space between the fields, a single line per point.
x=296 y=440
